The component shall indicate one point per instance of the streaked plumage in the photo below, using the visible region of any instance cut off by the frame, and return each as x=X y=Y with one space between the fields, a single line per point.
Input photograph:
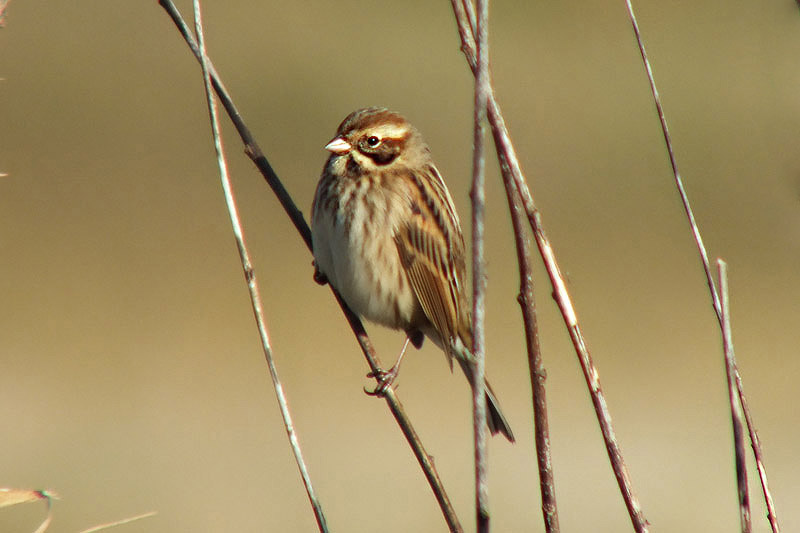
x=386 y=235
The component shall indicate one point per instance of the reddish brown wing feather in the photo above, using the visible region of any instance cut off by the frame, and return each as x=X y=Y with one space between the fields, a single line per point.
x=420 y=255
x=431 y=249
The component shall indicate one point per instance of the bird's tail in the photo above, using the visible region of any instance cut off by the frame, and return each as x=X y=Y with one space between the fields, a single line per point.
x=494 y=415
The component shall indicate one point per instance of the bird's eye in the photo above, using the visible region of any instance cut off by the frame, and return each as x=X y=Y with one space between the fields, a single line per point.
x=373 y=141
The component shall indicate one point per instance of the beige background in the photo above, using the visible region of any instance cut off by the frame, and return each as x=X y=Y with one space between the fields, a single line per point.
x=131 y=377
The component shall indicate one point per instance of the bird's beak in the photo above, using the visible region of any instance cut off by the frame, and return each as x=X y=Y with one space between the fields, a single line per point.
x=338 y=146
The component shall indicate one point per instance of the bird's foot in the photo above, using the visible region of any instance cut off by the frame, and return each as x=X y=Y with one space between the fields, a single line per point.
x=319 y=277
x=385 y=379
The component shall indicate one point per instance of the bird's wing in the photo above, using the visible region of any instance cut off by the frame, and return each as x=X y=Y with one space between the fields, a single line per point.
x=424 y=260
x=431 y=250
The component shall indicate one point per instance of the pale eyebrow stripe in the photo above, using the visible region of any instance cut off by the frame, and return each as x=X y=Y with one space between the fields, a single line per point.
x=392 y=131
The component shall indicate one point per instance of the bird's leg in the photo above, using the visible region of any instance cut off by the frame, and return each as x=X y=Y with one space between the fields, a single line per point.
x=386 y=378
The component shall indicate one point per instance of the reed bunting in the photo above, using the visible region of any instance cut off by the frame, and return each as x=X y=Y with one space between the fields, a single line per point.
x=386 y=235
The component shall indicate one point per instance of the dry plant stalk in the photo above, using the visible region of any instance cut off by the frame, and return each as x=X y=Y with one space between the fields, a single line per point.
x=478 y=197
x=772 y=516
x=755 y=444
x=9 y=497
x=512 y=173
x=109 y=525
x=253 y=151
x=733 y=398
x=249 y=274
x=535 y=363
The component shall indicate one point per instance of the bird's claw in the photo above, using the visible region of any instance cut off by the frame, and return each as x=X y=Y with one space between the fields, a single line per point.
x=385 y=380
x=319 y=277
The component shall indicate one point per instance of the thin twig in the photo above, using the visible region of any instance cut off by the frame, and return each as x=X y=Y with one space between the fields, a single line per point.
x=425 y=460
x=253 y=150
x=478 y=196
x=755 y=444
x=527 y=303
x=512 y=171
x=754 y=440
x=47 y=521
x=121 y=522
x=250 y=275
x=10 y=496
x=733 y=397
x=673 y=162
x=251 y=147
x=538 y=374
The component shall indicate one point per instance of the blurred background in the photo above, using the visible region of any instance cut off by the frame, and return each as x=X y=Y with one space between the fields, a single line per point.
x=131 y=376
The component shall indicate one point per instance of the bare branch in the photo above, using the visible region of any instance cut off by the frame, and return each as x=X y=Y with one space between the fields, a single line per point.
x=250 y=275
x=10 y=496
x=399 y=413
x=756 y=444
x=512 y=171
x=478 y=197
x=254 y=152
x=733 y=397
x=121 y=522
x=673 y=162
x=535 y=363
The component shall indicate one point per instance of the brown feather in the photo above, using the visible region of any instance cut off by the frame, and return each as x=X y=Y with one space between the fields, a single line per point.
x=386 y=235
x=421 y=259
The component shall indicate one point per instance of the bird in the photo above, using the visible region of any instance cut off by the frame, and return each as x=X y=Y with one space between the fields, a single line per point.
x=386 y=235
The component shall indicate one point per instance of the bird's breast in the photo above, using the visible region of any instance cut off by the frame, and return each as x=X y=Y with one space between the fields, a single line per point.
x=354 y=247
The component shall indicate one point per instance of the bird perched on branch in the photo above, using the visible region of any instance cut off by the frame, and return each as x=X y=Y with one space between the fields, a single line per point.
x=386 y=235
